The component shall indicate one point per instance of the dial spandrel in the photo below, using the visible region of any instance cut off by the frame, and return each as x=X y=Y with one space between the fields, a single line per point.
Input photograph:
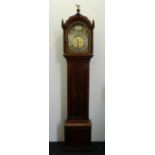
x=78 y=38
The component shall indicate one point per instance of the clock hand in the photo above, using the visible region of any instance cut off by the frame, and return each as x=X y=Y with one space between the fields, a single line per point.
x=77 y=42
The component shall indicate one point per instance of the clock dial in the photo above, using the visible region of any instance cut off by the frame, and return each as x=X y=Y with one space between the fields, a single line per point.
x=78 y=42
x=78 y=39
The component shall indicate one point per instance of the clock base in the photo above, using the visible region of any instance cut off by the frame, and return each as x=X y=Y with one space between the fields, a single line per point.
x=77 y=135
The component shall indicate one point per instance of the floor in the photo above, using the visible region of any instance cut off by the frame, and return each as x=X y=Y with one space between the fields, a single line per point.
x=98 y=148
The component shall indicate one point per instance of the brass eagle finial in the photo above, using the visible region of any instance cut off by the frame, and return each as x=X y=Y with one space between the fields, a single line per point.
x=78 y=8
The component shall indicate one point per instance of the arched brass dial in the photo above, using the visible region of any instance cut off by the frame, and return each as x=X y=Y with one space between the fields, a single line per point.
x=78 y=38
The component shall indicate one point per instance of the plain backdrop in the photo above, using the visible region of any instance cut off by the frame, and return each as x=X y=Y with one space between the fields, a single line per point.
x=58 y=78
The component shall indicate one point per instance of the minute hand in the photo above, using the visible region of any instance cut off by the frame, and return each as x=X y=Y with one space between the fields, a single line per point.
x=77 y=42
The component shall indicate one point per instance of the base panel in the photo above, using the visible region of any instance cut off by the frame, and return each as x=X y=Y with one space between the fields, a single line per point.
x=77 y=135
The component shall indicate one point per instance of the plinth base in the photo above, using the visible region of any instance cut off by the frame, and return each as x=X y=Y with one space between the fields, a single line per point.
x=77 y=135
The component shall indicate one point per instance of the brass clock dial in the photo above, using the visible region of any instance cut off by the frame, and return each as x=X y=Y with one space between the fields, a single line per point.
x=78 y=42
x=78 y=38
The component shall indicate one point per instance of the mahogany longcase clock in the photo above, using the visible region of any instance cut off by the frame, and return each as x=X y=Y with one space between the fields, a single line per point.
x=78 y=50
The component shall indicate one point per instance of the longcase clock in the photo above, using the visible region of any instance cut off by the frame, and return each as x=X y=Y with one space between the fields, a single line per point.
x=78 y=50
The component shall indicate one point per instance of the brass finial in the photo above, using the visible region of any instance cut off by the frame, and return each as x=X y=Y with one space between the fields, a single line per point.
x=78 y=8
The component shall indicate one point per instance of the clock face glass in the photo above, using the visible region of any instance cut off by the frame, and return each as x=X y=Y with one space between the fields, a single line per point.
x=78 y=38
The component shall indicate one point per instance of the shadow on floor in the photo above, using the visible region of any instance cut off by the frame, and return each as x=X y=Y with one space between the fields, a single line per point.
x=55 y=148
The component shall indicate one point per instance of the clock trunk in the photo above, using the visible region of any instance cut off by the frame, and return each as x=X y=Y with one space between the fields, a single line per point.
x=78 y=93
